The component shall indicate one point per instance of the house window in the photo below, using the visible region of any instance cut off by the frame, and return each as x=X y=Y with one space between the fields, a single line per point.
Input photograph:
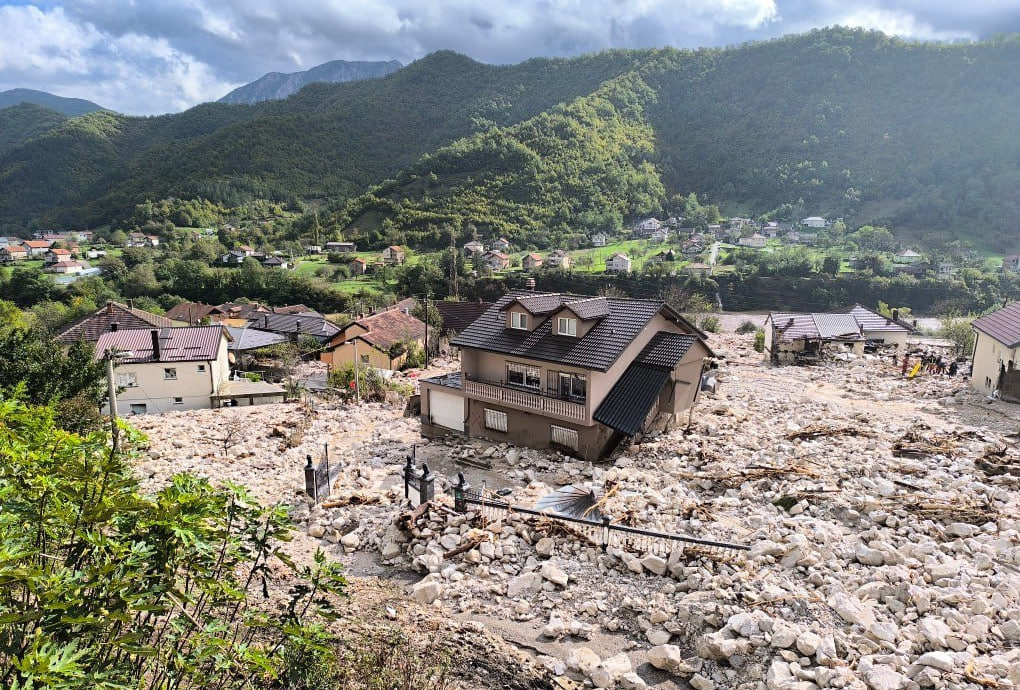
x=988 y=382
x=178 y=401
x=572 y=386
x=523 y=375
x=518 y=320
x=201 y=368
x=495 y=420
x=566 y=326
x=364 y=359
x=562 y=436
x=127 y=379
x=170 y=373
x=138 y=408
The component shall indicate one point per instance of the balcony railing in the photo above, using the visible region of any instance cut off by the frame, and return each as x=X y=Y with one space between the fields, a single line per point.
x=525 y=399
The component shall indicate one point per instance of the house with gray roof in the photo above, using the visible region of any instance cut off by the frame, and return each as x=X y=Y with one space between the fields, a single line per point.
x=996 y=368
x=573 y=372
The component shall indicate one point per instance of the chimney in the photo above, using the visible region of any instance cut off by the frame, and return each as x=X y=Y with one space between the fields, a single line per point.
x=114 y=326
x=131 y=304
x=155 y=345
x=109 y=307
x=895 y=314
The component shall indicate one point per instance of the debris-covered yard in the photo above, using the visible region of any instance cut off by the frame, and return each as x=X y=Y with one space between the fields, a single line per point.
x=882 y=515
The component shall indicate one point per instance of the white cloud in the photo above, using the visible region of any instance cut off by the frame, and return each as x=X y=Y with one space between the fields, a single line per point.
x=147 y=56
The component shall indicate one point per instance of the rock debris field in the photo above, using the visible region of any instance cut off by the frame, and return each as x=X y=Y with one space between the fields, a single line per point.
x=882 y=516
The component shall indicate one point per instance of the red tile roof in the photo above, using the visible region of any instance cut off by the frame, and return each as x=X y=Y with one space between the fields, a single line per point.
x=390 y=327
x=184 y=344
x=1003 y=325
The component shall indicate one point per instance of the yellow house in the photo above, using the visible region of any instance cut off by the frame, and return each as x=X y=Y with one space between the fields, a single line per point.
x=996 y=368
x=167 y=369
x=379 y=341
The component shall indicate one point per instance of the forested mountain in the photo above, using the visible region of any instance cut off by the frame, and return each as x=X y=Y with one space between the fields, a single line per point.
x=67 y=106
x=277 y=85
x=833 y=122
x=25 y=121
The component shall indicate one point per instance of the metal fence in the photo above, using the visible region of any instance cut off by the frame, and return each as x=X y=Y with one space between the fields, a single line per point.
x=603 y=534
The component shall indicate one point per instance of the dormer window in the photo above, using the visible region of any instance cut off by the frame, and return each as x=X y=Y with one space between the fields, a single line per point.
x=519 y=320
x=566 y=326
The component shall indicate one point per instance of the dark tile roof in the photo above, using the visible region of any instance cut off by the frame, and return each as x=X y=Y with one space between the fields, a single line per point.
x=597 y=350
x=1003 y=325
x=253 y=338
x=537 y=304
x=590 y=308
x=314 y=325
x=182 y=344
x=666 y=349
x=295 y=309
x=192 y=312
x=632 y=398
x=91 y=327
x=459 y=315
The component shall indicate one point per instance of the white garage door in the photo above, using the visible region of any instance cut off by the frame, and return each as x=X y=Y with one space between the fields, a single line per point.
x=446 y=410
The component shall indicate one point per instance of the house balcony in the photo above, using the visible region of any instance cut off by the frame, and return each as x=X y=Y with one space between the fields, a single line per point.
x=528 y=400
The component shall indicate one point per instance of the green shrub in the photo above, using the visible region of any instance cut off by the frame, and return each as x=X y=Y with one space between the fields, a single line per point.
x=710 y=324
x=746 y=327
x=759 y=340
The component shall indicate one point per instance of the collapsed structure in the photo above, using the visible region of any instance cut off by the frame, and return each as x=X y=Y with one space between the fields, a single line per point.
x=798 y=337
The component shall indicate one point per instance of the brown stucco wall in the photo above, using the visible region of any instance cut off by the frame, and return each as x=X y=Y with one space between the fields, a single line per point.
x=534 y=431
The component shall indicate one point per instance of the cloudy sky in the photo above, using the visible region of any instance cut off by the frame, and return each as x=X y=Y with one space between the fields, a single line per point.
x=157 y=56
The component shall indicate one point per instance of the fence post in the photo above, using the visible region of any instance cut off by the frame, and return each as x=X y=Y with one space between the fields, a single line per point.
x=460 y=494
x=310 y=479
x=426 y=485
x=408 y=475
x=605 y=533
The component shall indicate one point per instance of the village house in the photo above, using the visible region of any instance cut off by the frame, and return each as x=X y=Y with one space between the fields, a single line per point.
x=36 y=247
x=1011 y=264
x=698 y=269
x=313 y=249
x=474 y=248
x=646 y=227
x=167 y=369
x=947 y=270
x=618 y=263
x=235 y=257
x=112 y=316
x=599 y=239
x=53 y=256
x=558 y=259
x=793 y=337
x=571 y=372
x=357 y=267
x=65 y=267
x=195 y=313
x=393 y=255
x=660 y=235
x=273 y=261
x=501 y=245
x=755 y=241
x=341 y=247
x=13 y=252
x=495 y=261
x=691 y=248
x=887 y=331
x=814 y=222
x=381 y=341
x=907 y=256
x=996 y=363
x=531 y=262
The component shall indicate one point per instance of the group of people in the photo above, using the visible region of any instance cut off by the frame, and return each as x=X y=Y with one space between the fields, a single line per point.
x=930 y=363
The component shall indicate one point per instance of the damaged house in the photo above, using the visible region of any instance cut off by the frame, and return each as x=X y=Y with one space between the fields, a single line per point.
x=996 y=368
x=566 y=371
x=793 y=338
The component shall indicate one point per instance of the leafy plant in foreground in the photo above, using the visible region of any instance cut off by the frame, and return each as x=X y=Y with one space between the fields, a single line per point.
x=104 y=587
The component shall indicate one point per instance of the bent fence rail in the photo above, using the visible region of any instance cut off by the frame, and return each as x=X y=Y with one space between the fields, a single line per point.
x=603 y=534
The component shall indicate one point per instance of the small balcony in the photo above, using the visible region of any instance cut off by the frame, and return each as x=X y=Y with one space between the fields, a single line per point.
x=527 y=399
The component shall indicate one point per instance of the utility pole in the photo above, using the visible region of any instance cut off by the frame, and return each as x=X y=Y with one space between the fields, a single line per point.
x=111 y=390
x=426 y=319
x=357 y=376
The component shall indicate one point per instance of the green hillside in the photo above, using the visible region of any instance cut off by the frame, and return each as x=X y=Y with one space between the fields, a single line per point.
x=23 y=122
x=834 y=123
x=71 y=107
